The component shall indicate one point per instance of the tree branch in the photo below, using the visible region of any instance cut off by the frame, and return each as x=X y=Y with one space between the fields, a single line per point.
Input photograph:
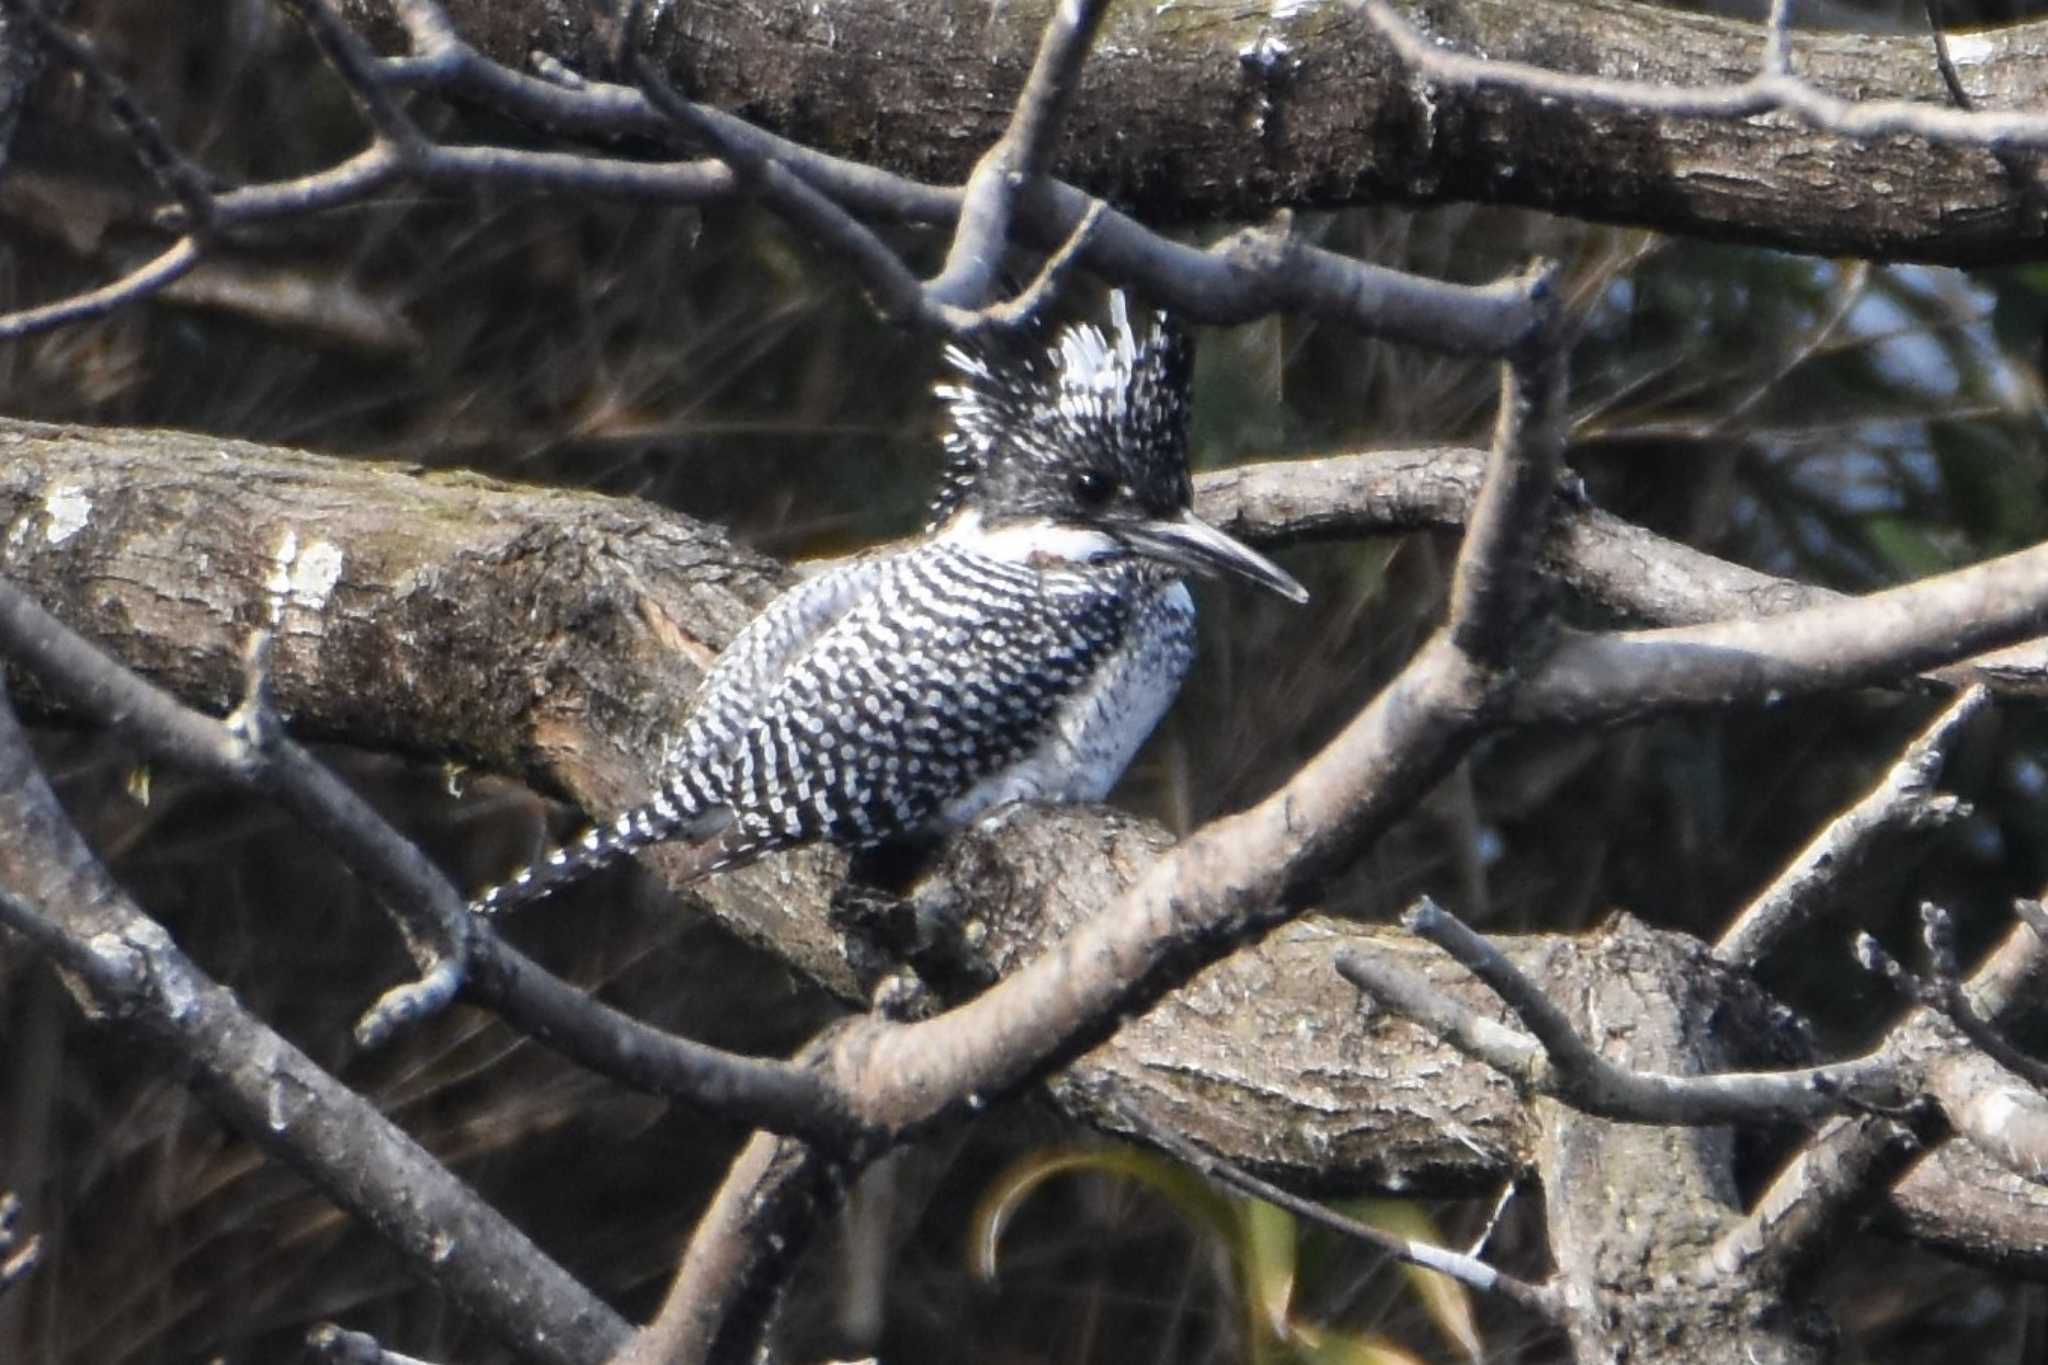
x=1468 y=1270
x=17 y=1262
x=1554 y=1060
x=1192 y=114
x=1818 y=1196
x=1903 y=799
x=58 y=894
x=1494 y=589
x=1927 y=624
x=1017 y=158
x=740 y=1255
x=466 y=956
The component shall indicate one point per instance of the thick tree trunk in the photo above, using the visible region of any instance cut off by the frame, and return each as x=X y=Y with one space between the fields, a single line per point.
x=1201 y=110
x=1632 y=1208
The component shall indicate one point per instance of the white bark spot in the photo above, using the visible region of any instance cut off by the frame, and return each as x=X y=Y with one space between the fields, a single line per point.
x=316 y=573
x=278 y=586
x=68 y=509
x=302 y=578
x=1970 y=49
x=1998 y=1110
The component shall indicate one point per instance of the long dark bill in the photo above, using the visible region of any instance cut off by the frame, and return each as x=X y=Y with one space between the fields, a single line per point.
x=1198 y=547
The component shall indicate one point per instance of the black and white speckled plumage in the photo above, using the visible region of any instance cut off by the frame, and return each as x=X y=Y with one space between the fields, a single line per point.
x=1022 y=651
x=1023 y=417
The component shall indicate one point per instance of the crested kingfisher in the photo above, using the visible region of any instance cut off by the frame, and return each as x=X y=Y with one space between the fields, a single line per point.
x=1020 y=650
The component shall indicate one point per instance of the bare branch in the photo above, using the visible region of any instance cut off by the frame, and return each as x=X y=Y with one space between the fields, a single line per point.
x=1619 y=565
x=1245 y=277
x=1778 y=39
x=1835 y=1177
x=1555 y=1061
x=1951 y=998
x=1341 y=120
x=877 y=1082
x=58 y=894
x=254 y=754
x=152 y=277
x=1903 y=799
x=1819 y=1195
x=897 y=292
x=100 y=579
x=357 y=66
x=257 y=757
x=740 y=1255
x=1956 y=1201
x=1944 y=992
x=2001 y=1113
x=1598 y=679
x=781 y=1097
x=1495 y=582
x=1942 y=61
x=185 y=180
x=1466 y=1268
x=1770 y=91
x=342 y=1347
x=982 y=233
x=17 y=1262
x=1014 y=314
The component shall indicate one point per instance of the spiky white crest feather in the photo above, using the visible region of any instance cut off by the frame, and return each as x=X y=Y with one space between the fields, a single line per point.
x=1024 y=418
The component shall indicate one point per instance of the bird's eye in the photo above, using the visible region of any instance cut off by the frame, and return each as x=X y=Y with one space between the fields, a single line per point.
x=1092 y=487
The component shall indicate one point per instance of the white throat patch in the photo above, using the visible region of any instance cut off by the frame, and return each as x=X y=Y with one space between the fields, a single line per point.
x=1037 y=541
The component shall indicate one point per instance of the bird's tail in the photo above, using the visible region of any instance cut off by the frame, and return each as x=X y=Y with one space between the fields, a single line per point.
x=676 y=812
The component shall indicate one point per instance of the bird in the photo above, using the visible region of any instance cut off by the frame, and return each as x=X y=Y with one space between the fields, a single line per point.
x=1021 y=649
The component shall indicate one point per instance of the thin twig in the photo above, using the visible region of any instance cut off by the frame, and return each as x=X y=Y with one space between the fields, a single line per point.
x=59 y=894
x=1464 y=1267
x=360 y=71
x=1495 y=582
x=1777 y=59
x=898 y=294
x=1764 y=93
x=340 y=1346
x=1555 y=1061
x=2021 y=171
x=1237 y=280
x=152 y=277
x=1019 y=156
x=1943 y=991
x=1018 y=313
x=19 y=1261
x=1903 y=799
x=1943 y=63
x=255 y=755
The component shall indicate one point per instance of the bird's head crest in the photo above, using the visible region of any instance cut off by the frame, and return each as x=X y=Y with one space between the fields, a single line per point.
x=1041 y=430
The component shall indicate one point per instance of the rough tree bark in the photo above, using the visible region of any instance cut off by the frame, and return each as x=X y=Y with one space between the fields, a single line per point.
x=1205 y=110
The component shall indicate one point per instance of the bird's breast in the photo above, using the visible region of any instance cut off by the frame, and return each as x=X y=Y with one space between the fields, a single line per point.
x=1099 y=725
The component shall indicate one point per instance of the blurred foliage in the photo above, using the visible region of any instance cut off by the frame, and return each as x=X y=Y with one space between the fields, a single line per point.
x=1268 y=1254
x=1850 y=425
